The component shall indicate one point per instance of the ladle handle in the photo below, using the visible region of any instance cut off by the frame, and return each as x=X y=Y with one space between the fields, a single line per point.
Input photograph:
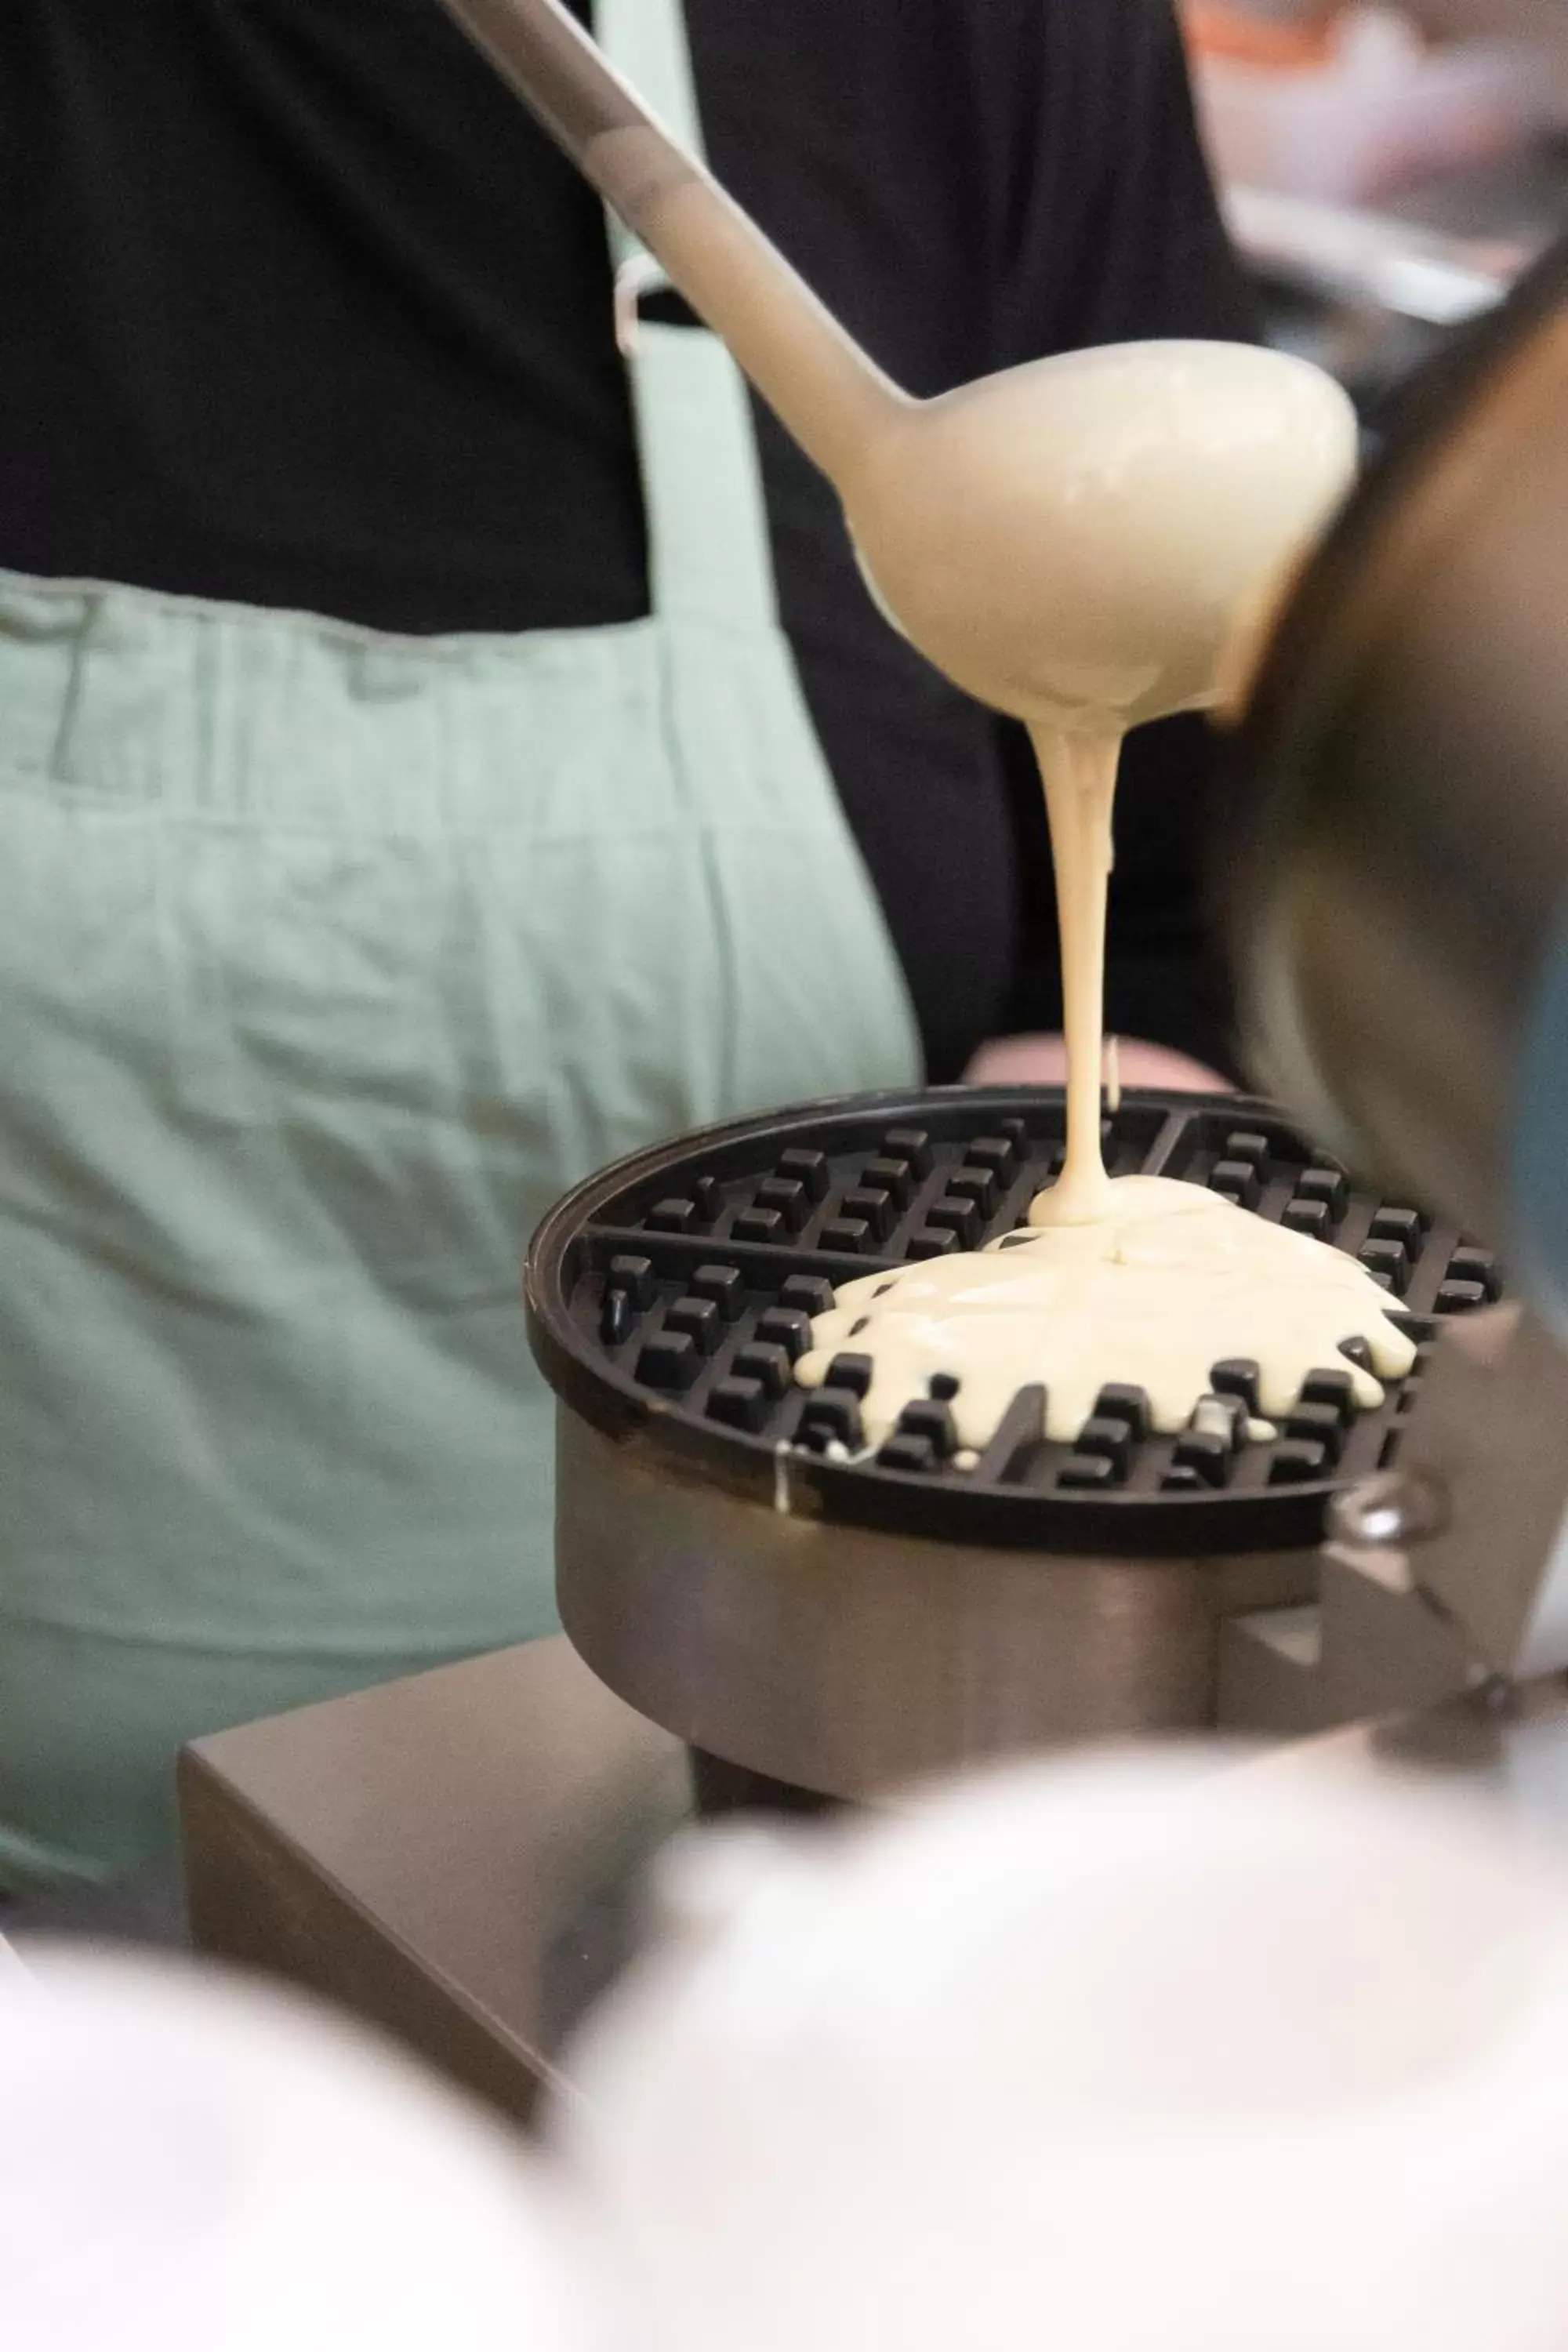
x=816 y=379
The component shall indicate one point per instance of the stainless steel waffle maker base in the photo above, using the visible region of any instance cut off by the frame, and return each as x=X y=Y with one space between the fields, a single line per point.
x=735 y=1566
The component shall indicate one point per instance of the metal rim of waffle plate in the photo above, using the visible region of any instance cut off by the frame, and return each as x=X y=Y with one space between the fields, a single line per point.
x=710 y=1230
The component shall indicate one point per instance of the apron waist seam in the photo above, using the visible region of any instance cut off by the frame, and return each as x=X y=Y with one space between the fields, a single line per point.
x=436 y=648
x=684 y=822
x=111 y=1636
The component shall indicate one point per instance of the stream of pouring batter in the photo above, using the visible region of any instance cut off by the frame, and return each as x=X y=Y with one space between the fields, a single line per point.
x=1144 y=1281
x=1079 y=772
x=1140 y=1280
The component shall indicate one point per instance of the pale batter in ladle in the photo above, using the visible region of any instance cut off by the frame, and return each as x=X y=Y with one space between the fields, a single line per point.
x=1078 y=542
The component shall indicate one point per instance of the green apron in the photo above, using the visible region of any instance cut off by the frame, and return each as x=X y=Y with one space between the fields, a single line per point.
x=327 y=961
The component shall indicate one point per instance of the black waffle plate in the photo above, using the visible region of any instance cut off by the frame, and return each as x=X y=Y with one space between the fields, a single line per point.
x=668 y=1296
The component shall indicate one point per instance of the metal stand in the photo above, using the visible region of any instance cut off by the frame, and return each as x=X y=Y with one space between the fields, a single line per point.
x=719 y=1789
x=1445 y=1584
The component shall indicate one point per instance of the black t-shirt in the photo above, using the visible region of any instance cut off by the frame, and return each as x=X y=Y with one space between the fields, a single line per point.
x=298 y=308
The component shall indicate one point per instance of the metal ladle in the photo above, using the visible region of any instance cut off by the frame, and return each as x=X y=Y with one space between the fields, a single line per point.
x=1073 y=540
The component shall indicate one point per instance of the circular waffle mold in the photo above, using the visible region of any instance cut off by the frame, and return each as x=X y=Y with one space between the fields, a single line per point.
x=669 y=1296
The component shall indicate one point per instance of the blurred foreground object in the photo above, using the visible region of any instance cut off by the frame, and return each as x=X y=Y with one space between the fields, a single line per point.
x=1107 y=2056
x=1395 y=872
x=1396 y=867
x=186 y=2164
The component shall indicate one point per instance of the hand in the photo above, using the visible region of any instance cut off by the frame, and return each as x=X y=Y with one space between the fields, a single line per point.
x=1043 y=1062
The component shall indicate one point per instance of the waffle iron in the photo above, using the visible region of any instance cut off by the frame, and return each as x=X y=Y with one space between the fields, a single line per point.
x=735 y=1564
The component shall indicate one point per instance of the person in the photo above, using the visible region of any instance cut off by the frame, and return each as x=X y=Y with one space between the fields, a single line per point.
x=438 y=754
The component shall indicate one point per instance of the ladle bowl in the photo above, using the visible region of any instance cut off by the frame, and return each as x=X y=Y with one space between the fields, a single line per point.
x=1077 y=539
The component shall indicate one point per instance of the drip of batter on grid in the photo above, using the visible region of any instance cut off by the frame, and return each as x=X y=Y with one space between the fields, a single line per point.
x=1139 y=1279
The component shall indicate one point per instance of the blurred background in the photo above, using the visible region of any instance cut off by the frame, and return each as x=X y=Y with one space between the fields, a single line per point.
x=1388 y=172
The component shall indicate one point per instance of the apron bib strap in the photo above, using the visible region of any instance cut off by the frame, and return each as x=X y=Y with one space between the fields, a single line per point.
x=709 y=555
